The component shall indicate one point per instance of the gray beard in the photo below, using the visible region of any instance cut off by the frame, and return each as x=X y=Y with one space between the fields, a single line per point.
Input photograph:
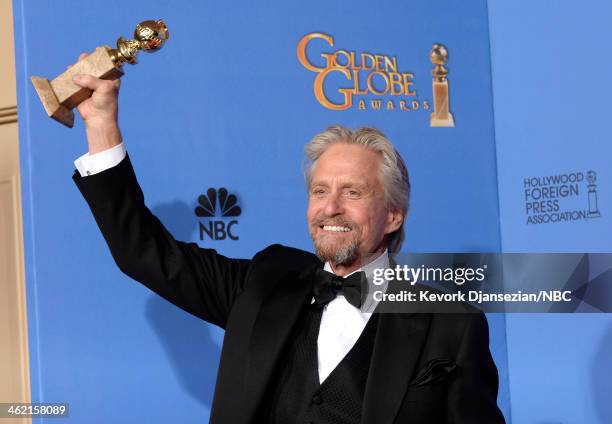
x=343 y=255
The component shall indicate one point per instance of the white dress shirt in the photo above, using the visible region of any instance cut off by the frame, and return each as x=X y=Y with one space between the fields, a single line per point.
x=98 y=162
x=341 y=322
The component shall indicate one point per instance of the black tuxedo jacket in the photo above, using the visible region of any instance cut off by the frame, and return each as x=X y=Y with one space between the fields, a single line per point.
x=425 y=368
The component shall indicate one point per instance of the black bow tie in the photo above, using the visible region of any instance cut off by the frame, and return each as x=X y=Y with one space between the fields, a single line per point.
x=327 y=285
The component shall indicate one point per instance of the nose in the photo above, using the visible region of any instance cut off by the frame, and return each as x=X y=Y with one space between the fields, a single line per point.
x=333 y=205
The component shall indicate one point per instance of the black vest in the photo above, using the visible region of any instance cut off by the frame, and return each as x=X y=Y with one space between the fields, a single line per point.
x=294 y=394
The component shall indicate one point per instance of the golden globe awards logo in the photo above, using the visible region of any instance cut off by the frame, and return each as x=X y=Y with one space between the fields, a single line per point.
x=372 y=81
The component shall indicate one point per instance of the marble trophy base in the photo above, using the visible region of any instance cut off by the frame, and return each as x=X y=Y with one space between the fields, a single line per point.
x=61 y=95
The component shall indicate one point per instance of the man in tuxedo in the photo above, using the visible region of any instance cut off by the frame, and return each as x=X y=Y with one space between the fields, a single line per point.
x=299 y=345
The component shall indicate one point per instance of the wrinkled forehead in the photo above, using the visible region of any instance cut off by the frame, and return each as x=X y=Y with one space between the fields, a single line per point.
x=347 y=163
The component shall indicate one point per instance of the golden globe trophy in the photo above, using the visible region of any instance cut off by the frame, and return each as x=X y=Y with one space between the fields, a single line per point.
x=441 y=116
x=61 y=95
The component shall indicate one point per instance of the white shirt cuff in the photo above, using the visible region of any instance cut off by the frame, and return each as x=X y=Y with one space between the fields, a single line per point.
x=98 y=162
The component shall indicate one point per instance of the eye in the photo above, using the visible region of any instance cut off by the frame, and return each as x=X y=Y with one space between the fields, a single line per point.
x=352 y=193
x=318 y=191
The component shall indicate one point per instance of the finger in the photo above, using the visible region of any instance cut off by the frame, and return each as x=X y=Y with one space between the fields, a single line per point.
x=93 y=83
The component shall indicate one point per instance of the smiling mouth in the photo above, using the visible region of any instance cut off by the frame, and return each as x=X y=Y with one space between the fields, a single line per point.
x=335 y=228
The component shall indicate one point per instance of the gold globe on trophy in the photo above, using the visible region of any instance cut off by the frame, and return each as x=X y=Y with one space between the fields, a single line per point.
x=61 y=95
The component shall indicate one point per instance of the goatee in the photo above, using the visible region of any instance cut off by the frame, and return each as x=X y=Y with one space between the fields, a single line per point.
x=328 y=249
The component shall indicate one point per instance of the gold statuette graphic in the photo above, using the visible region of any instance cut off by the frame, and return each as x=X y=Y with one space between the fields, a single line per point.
x=61 y=95
x=441 y=116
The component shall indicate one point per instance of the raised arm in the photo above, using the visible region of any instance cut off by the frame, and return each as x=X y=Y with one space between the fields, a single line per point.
x=100 y=112
x=197 y=280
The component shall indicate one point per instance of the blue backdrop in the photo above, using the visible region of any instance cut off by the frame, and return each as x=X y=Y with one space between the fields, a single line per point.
x=551 y=119
x=227 y=104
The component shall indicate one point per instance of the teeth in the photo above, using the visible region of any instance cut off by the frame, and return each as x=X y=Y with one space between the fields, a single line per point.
x=336 y=228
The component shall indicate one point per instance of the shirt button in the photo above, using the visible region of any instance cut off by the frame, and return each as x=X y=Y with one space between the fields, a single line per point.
x=316 y=399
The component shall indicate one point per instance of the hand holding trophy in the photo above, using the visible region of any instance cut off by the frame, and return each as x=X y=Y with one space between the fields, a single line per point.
x=61 y=95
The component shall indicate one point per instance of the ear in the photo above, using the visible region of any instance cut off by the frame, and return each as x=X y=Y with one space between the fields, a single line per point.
x=395 y=219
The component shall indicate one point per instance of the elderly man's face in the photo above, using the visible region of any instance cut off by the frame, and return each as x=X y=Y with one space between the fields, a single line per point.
x=346 y=210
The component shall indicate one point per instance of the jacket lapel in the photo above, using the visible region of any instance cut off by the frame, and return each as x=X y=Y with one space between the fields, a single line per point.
x=273 y=325
x=397 y=348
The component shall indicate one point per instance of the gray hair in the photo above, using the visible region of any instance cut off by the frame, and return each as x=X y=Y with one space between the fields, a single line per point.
x=393 y=173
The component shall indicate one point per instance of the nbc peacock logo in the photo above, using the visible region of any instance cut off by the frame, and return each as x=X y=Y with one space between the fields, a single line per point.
x=218 y=203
